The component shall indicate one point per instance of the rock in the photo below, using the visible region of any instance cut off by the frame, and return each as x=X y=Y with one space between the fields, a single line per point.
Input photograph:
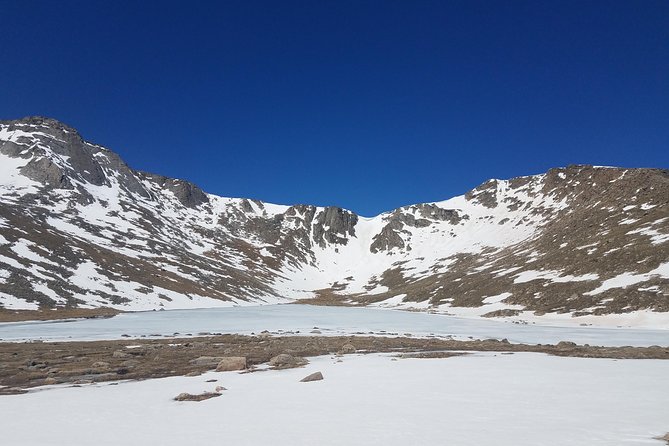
x=120 y=354
x=316 y=376
x=187 y=193
x=100 y=365
x=286 y=361
x=346 y=349
x=231 y=363
x=199 y=397
x=194 y=373
x=49 y=381
x=565 y=345
x=219 y=389
x=206 y=361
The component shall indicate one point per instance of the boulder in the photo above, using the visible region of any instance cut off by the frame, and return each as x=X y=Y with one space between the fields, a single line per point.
x=231 y=363
x=206 y=361
x=316 y=376
x=286 y=361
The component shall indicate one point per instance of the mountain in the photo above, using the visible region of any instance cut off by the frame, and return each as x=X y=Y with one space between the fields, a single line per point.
x=78 y=227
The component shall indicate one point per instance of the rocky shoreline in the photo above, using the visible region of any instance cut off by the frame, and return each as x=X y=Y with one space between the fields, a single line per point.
x=27 y=365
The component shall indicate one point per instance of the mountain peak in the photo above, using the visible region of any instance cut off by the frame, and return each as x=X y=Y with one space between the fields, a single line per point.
x=78 y=227
x=39 y=122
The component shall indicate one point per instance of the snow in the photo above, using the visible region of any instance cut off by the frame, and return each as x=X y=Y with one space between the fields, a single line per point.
x=300 y=320
x=12 y=303
x=626 y=279
x=553 y=276
x=391 y=301
x=22 y=248
x=397 y=302
x=496 y=299
x=12 y=180
x=477 y=399
x=431 y=248
x=11 y=262
x=656 y=237
x=88 y=278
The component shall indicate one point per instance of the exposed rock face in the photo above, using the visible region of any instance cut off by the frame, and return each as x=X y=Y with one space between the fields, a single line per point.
x=77 y=225
x=417 y=216
x=485 y=194
x=334 y=225
x=187 y=193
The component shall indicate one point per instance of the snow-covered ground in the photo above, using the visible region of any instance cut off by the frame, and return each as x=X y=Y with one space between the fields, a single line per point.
x=302 y=319
x=478 y=399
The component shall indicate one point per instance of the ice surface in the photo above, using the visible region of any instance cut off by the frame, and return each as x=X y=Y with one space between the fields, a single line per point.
x=329 y=320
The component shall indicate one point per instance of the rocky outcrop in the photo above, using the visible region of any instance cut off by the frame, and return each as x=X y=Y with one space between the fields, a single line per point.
x=485 y=194
x=416 y=216
x=334 y=225
x=231 y=363
x=286 y=361
x=45 y=171
x=187 y=193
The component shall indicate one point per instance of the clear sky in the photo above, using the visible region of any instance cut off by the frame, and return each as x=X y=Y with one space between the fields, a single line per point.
x=368 y=105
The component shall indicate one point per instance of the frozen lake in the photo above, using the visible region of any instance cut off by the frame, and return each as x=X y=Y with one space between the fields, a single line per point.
x=329 y=320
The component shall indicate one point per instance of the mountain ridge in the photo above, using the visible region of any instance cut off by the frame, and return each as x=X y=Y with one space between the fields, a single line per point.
x=181 y=247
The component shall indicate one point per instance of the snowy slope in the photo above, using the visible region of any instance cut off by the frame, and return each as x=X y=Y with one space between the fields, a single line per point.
x=79 y=227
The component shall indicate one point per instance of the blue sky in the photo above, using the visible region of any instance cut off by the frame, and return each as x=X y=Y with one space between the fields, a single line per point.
x=368 y=105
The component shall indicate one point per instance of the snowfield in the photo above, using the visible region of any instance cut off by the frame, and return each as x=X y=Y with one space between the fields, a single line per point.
x=302 y=319
x=479 y=399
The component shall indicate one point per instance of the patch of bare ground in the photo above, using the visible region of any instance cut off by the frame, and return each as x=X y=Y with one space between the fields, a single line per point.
x=26 y=365
x=56 y=314
x=328 y=297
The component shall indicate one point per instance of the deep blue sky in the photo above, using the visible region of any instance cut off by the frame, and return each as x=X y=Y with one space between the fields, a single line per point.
x=368 y=105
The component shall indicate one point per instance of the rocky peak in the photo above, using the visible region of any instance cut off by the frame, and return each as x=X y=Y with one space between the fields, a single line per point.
x=334 y=225
x=187 y=193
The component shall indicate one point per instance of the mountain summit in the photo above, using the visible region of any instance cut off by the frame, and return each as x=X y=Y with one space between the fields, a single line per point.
x=78 y=227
